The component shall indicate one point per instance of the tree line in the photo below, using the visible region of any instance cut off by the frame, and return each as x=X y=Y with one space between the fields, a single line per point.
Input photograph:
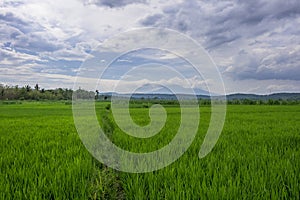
x=263 y=102
x=36 y=93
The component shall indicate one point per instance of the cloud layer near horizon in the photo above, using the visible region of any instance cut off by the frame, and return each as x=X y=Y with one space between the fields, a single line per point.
x=255 y=43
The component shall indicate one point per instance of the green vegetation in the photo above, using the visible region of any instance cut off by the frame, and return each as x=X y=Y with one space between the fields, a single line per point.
x=28 y=93
x=263 y=102
x=42 y=157
x=256 y=157
x=16 y=93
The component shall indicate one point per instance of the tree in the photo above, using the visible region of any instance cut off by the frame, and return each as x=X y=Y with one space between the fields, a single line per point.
x=97 y=94
x=36 y=87
x=2 y=92
x=270 y=102
x=28 y=88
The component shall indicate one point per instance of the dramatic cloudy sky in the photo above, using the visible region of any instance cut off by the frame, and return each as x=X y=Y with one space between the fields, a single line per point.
x=255 y=44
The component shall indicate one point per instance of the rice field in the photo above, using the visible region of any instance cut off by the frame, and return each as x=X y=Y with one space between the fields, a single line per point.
x=256 y=157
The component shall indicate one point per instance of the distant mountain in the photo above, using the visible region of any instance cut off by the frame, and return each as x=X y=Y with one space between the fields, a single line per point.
x=159 y=94
x=181 y=90
x=108 y=93
x=177 y=89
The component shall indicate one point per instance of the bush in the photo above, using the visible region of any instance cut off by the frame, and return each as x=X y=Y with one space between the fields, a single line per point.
x=11 y=102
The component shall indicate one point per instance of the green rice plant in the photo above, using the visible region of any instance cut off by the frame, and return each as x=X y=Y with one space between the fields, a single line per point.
x=256 y=157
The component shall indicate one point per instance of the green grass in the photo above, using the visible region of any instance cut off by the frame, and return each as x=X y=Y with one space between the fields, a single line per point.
x=256 y=157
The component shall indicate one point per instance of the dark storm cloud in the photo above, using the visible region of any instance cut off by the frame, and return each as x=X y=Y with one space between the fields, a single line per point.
x=114 y=3
x=151 y=20
x=225 y=21
x=277 y=66
x=260 y=28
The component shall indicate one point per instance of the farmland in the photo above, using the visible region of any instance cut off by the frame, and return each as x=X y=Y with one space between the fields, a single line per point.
x=256 y=157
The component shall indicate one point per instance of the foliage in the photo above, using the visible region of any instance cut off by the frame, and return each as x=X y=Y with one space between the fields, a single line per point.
x=263 y=102
x=27 y=93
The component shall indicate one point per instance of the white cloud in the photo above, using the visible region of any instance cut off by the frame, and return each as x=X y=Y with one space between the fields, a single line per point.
x=254 y=43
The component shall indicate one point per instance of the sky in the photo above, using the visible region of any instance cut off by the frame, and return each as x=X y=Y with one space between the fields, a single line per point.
x=255 y=44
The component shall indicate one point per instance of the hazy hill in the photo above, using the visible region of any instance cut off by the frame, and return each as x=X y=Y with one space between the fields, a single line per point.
x=238 y=96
